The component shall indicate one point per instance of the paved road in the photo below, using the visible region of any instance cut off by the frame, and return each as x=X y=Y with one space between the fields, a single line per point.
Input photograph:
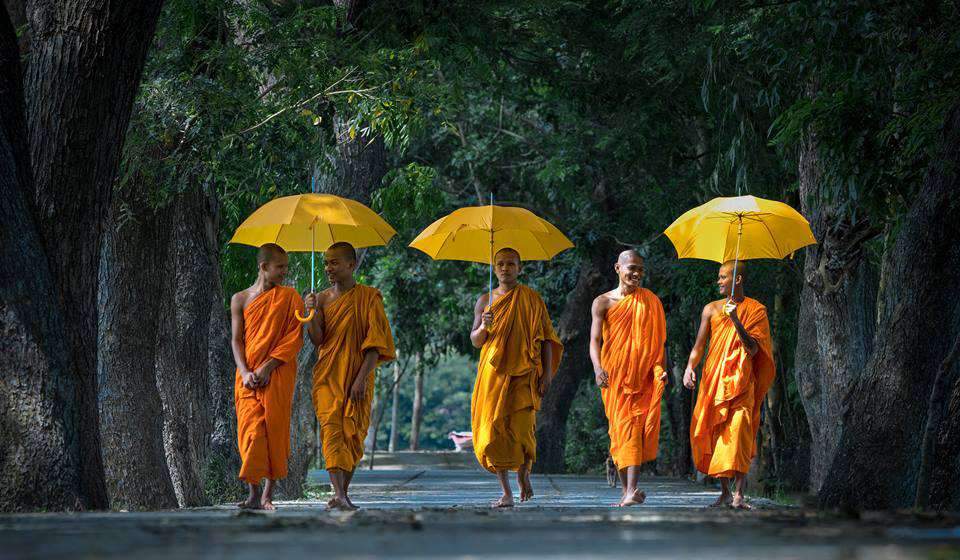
x=430 y=513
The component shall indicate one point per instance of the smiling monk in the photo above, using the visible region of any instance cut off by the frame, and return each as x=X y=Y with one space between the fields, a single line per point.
x=627 y=337
x=736 y=377
x=519 y=354
x=266 y=339
x=352 y=338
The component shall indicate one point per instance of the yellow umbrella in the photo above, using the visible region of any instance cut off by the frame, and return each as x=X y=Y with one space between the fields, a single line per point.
x=741 y=227
x=476 y=233
x=308 y=222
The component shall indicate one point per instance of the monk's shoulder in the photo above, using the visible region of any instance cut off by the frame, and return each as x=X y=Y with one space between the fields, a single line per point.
x=714 y=307
x=240 y=299
x=603 y=301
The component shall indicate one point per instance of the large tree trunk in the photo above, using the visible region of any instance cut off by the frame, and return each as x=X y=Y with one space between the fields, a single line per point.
x=86 y=58
x=131 y=418
x=182 y=346
x=220 y=482
x=882 y=428
x=574 y=333
x=839 y=299
x=942 y=491
x=39 y=445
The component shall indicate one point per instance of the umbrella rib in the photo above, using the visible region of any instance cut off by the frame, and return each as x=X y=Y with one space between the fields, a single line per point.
x=772 y=237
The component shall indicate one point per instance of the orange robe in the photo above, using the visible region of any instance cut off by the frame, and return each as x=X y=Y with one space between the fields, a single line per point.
x=270 y=330
x=634 y=332
x=723 y=434
x=505 y=397
x=353 y=324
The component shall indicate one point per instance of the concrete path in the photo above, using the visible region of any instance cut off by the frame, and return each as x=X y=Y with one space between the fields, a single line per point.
x=431 y=513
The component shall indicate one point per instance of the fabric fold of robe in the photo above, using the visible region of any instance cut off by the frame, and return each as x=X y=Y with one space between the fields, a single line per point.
x=634 y=333
x=270 y=330
x=726 y=418
x=505 y=395
x=354 y=323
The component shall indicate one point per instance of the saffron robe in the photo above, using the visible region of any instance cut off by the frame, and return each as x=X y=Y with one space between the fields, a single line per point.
x=505 y=395
x=353 y=323
x=270 y=330
x=726 y=418
x=634 y=332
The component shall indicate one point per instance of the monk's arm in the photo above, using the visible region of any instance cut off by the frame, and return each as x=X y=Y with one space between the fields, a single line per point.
x=237 y=343
x=315 y=325
x=597 y=313
x=359 y=387
x=696 y=354
x=478 y=333
x=748 y=341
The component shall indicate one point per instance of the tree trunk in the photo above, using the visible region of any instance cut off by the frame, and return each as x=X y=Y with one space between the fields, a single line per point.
x=944 y=493
x=417 y=414
x=39 y=445
x=574 y=333
x=882 y=428
x=392 y=443
x=131 y=419
x=183 y=346
x=86 y=58
x=679 y=412
x=220 y=482
x=839 y=298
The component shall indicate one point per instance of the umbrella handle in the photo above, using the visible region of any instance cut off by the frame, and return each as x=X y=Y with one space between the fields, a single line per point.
x=303 y=319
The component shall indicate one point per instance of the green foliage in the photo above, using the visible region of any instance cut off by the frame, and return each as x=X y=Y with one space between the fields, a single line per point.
x=607 y=118
x=588 y=443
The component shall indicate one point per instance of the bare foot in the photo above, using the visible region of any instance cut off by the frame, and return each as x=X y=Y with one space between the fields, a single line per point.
x=739 y=502
x=349 y=501
x=634 y=499
x=331 y=501
x=249 y=503
x=526 y=488
x=253 y=499
x=267 y=504
x=341 y=504
x=722 y=501
x=503 y=502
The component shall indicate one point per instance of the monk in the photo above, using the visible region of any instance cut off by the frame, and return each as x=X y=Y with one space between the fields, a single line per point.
x=627 y=337
x=736 y=376
x=266 y=339
x=352 y=338
x=519 y=354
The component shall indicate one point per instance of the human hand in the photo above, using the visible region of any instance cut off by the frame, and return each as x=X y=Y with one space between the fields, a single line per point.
x=544 y=384
x=689 y=378
x=486 y=320
x=601 y=377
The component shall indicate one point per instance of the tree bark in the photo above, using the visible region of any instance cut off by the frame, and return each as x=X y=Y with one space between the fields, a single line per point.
x=840 y=299
x=574 y=333
x=417 y=414
x=39 y=443
x=882 y=428
x=131 y=419
x=86 y=61
x=183 y=346
x=220 y=482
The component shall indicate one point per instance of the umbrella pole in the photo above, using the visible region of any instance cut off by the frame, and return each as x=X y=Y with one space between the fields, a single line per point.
x=490 y=276
x=736 y=257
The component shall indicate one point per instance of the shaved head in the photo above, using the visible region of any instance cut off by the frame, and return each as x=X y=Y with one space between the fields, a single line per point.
x=741 y=269
x=345 y=250
x=508 y=251
x=629 y=255
x=270 y=252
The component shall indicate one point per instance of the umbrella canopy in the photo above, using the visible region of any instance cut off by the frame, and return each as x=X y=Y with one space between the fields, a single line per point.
x=311 y=222
x=466 y=234
x=739 y=228
x=308 y=222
